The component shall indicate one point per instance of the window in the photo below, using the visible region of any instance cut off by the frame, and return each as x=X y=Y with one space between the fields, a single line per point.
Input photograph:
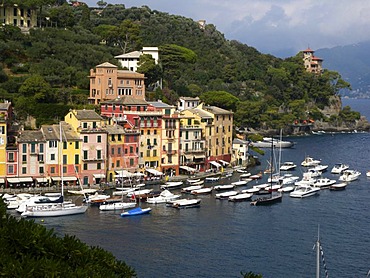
x=64 y=145
x=41 y=170
x=85 y=153
x=11 y=157
x=64 y=159
x=154 y=152
x=85 y=166
x=10 y=169
x=119 y=150
x=155 y=141
x=132 y=162
x=24 y=158
x=41 y=148
x=24 y=170
x=131 y=149
x=86 y=140
x=24 y=148
x=77 y=159
x=118 y=164
x=52 y=156
x=33 y=148
x=99 y=138
x=148 y=153
x=53 y=144
x=98 y=154
x=64 y=169
x=52 y=170
x=41 y=158
x=84 y=125
x=98 y=165
x=77 y=145
x=112 y=151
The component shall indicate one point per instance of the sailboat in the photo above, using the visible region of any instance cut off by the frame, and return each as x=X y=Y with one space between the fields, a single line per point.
x=274 y=197
x=61 y=208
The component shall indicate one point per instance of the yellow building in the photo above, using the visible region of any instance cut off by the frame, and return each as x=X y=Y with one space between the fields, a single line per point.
x=5 y=111
x=15 y=15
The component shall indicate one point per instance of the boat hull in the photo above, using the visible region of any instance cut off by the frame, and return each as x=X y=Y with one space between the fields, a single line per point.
x=54 y=211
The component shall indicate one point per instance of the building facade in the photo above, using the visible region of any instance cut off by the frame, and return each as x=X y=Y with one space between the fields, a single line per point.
x=107 y=82
x=130 y=60
x=15 y=15
x=311 y=62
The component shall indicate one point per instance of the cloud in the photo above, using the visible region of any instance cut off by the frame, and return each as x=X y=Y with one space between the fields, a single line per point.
x=275 y=26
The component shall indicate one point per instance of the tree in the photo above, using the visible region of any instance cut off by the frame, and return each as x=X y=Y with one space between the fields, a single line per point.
x=147 y=66
x=127 y=36
x=36 y=87
x=221 y=99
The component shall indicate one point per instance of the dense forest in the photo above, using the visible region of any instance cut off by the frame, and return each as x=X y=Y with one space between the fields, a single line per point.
x=45 y=72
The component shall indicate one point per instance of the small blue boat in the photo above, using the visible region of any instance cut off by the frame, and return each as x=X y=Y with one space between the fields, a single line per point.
x=136 y=211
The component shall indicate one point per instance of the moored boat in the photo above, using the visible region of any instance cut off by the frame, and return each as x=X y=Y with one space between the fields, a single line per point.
x=227 y=194
x=204 y=190
x=303 y=191
x=186 y=203
x=349 y=175
x=240 y=197
x=136 y=211
x=338 y=168
x=172 y=185
x=338 y=186
x=223 y=187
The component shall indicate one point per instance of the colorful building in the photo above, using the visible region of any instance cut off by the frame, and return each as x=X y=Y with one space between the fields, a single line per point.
x=90 y=128
x=107 y=82
x=311 y=62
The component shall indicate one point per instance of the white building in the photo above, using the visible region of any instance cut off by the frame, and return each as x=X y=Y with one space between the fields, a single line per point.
x=187 y=103
x=130 y=60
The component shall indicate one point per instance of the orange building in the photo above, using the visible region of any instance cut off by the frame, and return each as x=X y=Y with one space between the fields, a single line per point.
x=107 y=82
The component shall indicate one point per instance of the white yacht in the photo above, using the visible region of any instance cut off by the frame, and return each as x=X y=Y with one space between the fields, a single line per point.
x=287 y=166
x=349 y=175
x=339 y=168
x=324 y=183
x=310 y=162
x=303 y=191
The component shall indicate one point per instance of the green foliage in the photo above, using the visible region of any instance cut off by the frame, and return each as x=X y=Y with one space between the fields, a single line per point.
x=262 y=90
x=28 y=249
x=152 y=72
x=348 y=115
x=220 y=99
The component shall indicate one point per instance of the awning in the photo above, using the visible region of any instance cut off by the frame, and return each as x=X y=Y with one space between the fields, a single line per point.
x=12 y=180
x=154 y=172
x=41 y=179
x=27 y=179
x=2 y=180
x=64 y=178
x=188 y=156
x=198 y=156
x=124 y=174
x=189 y=169
x=214 y=163
x=99 y=176
x=224 y=162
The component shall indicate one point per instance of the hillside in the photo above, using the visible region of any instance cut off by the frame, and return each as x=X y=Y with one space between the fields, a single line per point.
x=45 y=73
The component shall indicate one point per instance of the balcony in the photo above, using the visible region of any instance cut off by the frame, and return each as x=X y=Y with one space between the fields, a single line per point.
x=92 y=159
x=170 y=152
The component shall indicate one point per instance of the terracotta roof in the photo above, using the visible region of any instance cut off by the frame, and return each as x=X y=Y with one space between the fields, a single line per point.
x=31 y=136
x=128 y=74
x=308 y=50
x=86 y=115
x=217 y=110
x=316 y=58
x=126 y=101
x=106 y=65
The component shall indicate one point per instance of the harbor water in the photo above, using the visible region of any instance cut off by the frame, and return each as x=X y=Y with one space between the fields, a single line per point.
x=223 y=239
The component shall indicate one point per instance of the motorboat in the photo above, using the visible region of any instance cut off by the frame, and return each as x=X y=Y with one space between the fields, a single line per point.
x=85 y=191
x=186 y=203
x=252 y=190
x=339 y=168
x=289 y=179
x=96 y=199
x=142 y=193
x=200 y=182
x=190 y=188
x=269 y=142
x=286 y=189
x=223 y=187
x=243 y=171
x=204 y=190
x=240 y=197
x=109 y=206
x=121 y=191
x=226 y=195
x=255 y=176
x=273 y=187
x=14 y=201
x=36 y=201
x=172 y=185
x=211 y=179
x=287 y=166
x=304 y=190
x=245 y=176
x=320 y=168
x=309 y=162
x=164 y=197
x=349 y=175
x=192 y=180
x=306 y=180
x=338 y=186
x=324 y=183
x=136 y=211
x=314 y=173
x=240 y=183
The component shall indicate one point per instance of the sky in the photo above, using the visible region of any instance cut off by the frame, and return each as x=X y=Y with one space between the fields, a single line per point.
x=281 y=27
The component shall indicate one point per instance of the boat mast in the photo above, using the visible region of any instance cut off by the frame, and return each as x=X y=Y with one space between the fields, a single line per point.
x=318 y=253
x=272 y=164
x=61 y=156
